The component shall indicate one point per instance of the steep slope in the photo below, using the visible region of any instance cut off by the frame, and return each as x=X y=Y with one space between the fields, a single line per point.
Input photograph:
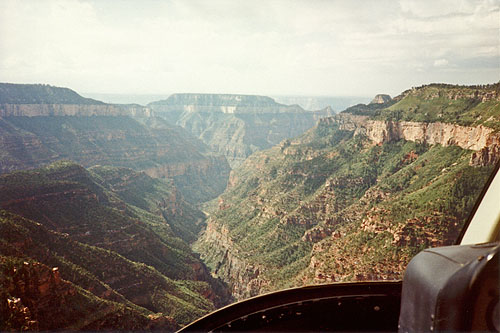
x=236 y=125
x=33 y=135
x=352 y=199
x=114 y=233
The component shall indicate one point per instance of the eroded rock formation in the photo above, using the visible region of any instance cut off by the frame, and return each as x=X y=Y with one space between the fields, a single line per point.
x=237 y=125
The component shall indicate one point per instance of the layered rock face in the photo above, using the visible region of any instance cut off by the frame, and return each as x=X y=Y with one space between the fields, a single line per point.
x=159 y=149
x=475 y=138
x=237 y=125
x=244 y=277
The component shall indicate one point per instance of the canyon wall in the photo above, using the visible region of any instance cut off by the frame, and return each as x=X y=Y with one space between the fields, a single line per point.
x=40 y=124
x=479 y=138
x=245 y=279
x=237 y=125
x=231 y=109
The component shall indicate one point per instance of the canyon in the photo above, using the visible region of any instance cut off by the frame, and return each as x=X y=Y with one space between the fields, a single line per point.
x=101 y=204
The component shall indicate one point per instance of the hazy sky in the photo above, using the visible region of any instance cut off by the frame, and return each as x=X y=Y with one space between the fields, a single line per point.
x=254 y=47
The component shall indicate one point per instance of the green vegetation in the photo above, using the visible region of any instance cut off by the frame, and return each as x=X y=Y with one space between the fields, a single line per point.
x=462 y=105
x=466 y=106
x=115 y=234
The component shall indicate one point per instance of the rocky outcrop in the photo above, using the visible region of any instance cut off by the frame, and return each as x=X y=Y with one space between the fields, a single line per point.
x=39 y=299
x=477 y=138
x=381 y=99
x=38 y=290
x=486 y=156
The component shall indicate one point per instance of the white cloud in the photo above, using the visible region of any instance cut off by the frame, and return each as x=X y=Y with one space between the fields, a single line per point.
x=266 y=47
x=440 y=62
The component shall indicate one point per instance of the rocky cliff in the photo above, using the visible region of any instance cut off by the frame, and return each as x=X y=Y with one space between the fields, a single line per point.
x=477 y=138
x=244 y=277
x=237 y=125
x=466 y=116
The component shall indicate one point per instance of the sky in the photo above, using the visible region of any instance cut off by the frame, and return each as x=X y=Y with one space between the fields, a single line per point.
x=303 y=47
